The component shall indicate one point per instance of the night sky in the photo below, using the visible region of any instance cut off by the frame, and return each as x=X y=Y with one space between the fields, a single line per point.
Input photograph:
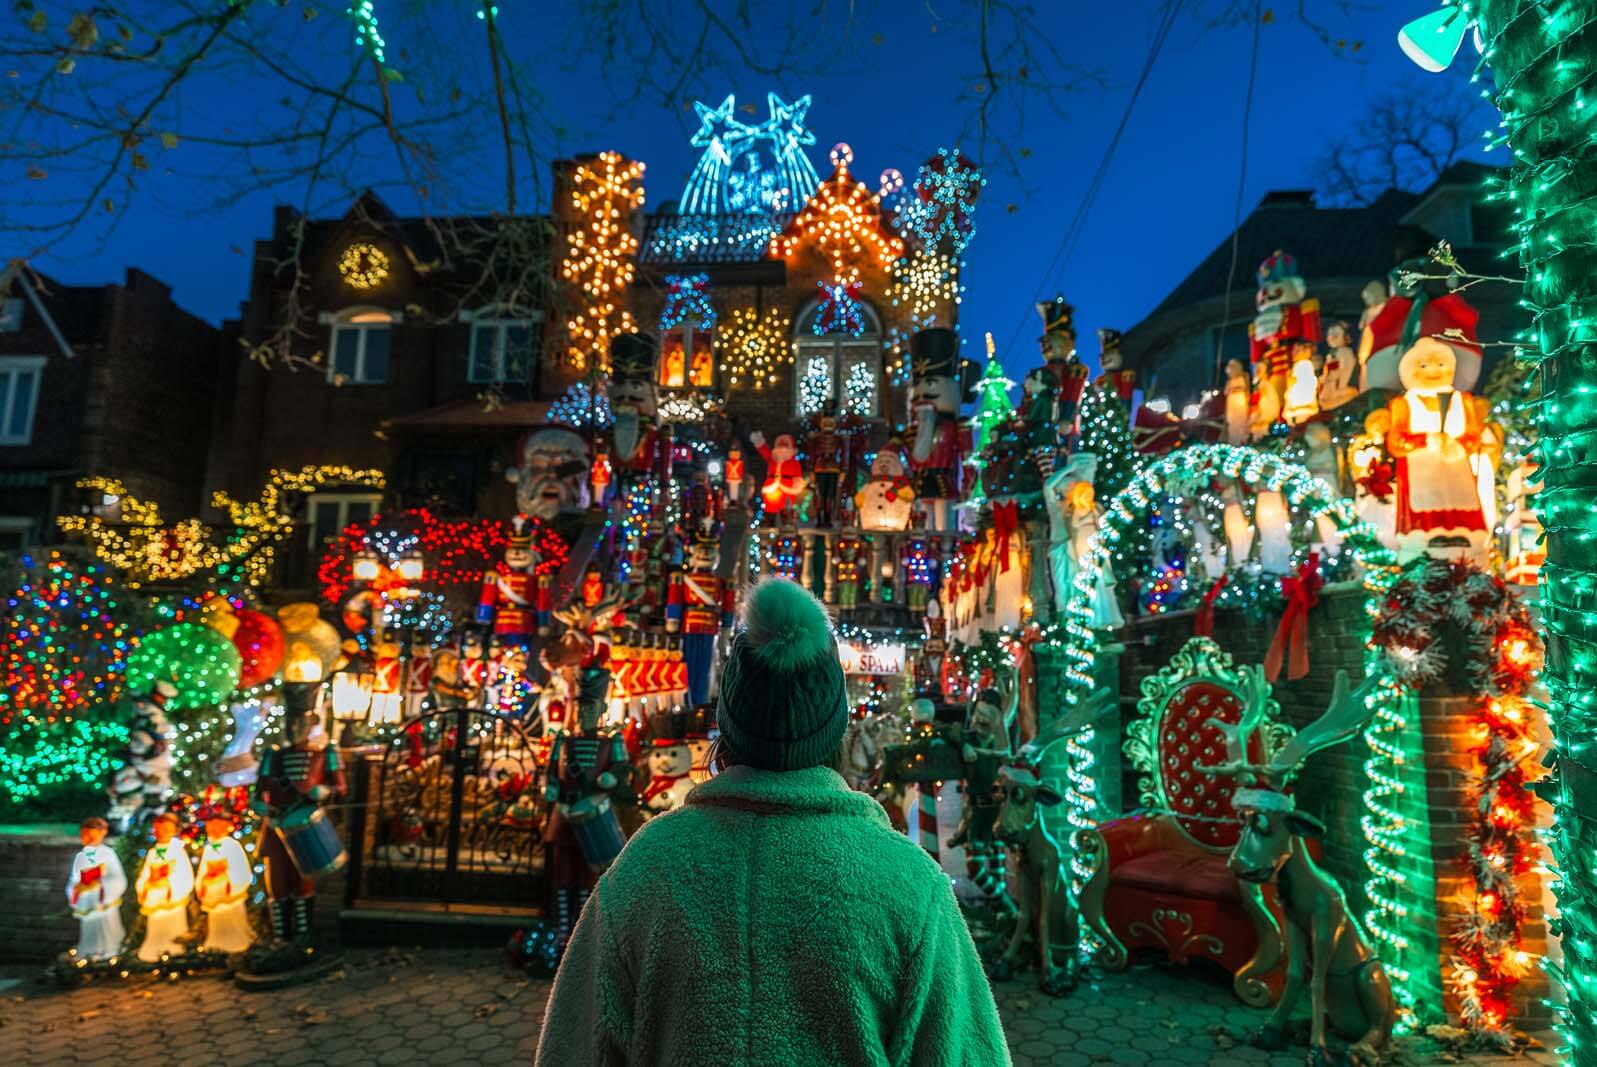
x=1168 y=198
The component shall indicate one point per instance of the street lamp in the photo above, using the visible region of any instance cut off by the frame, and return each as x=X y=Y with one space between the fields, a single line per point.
x=365 y=567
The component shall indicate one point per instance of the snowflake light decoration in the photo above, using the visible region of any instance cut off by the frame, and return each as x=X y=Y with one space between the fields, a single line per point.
x=946 y=189
x=752 y=346
x=600 y=254
x=925 y=282
x=687 y=296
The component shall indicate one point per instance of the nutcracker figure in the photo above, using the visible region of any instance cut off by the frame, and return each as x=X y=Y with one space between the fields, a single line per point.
x=784 y=555
x=699 y=604
x=1115 y=377
x=515 y=599
x=1059 y=355
x=942 y=383
x=784 y=474
x=918 y=564
x=599 y=479
x=850 y=556
x=826 y=449
x=163 y=887
x=95 y=885
x=296 y=779
x=222 y=879
x=1285 y=329
x=592 y=585
x=640 y=446
x=735 y=475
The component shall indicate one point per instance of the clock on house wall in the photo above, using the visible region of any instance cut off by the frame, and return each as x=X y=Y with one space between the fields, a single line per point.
x=363 y=265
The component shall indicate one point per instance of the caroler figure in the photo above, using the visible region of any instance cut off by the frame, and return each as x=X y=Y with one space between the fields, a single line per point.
x=297 y=841
x=514 y=599
x=699 y=605
x=222 y=879
x=163 y=887
x=95 y=884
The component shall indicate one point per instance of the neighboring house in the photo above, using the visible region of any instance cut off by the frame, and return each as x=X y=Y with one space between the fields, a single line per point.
x=112 y=380
x=1177 y=348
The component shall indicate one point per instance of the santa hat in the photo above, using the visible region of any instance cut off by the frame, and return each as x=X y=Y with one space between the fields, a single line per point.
x=1404 y=320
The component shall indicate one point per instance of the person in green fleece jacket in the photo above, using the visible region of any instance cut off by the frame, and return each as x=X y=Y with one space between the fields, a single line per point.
x=776 y=918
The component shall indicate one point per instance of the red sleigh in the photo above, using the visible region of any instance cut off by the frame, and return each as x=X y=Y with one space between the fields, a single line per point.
x=1161 y=880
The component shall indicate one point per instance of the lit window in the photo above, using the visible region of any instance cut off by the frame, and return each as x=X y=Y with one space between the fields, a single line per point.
x=501 y=347
x=329 y=513
x=837 y=373
x=687 y=357
x=19 y=397
x=358 y=348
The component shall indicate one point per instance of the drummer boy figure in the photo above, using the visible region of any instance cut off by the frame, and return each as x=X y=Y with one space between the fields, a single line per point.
x=295 y=780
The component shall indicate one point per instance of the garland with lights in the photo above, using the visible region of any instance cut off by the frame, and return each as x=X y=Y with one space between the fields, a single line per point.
x=687 y=296
x=1181 y=474
x=601 y=254
x=64 y=640
x=141 y=549
x=1498 y=657
x=752 y=346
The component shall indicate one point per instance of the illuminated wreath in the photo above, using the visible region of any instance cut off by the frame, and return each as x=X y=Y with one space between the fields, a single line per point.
x=363 y=265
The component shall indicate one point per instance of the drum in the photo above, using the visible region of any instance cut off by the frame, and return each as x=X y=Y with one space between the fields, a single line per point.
x=598 y=832
x=311 y=841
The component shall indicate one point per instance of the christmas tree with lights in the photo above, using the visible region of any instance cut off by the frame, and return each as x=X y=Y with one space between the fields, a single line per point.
x=993 y=405
x=1106 y=433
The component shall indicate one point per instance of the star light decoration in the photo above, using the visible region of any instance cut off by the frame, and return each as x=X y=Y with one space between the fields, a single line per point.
x=601 y=254
x=843 y=220
x=750 y=169
x=946 y=189
x=752 y=346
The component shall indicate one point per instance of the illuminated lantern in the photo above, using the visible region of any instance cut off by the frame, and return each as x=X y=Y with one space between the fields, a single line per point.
x=1275 y=537
x=312 y=645
x=259 y=641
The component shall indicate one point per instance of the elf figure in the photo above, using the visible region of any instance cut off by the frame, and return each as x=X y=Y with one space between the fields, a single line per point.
x=785 y=555
x=784 y=474
x=513 y=599
x=223 y=882
x=1058 y=342
x=826 y=450
x=296 y=779
x=919 y=567
x=937 y=454
x=1286 y=328
x=1115 y=377
x=886 y=501
x=670 y=764
x=734 y=473
x=163 y=888
x=850 y=555
x=95 y=884
x=1337 y=385
x=699 y=604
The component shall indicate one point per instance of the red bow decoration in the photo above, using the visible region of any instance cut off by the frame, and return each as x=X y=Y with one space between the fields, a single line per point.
x=1302 y=593
x=1006 y=520
x=1203 y=625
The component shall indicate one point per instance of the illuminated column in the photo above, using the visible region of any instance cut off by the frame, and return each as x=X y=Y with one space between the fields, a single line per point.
x=829 y=581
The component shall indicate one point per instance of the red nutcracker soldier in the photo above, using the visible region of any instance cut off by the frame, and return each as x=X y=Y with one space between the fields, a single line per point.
x=297 y=843
x=514 y=599
x=1115 y=377
x=699 y=605
x=827 y=448
x=1287 y=325
x=599 y=479
x=641 y=446
x=734 y=473
x=785 y=556
x=1059 y=355
x=937 y=452
x=784 y=475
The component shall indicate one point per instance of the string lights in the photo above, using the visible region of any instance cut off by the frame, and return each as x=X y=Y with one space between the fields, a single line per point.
x=600 y=254
x=941 y=210
x=752 y=346
x=927 y=284
x=65 y=640
x=687 y=298
x=200 y=663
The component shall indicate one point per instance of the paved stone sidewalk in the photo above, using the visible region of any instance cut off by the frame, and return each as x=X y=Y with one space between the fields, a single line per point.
x=465 y=1007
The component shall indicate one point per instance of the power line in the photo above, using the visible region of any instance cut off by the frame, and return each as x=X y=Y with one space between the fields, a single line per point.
x=1072 y=234
x=1236 y=213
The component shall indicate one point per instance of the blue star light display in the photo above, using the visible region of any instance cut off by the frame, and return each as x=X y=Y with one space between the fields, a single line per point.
x=750 y=169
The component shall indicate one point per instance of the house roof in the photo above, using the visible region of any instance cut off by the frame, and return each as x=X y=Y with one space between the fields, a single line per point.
x=1351 y=242
x=472 y=414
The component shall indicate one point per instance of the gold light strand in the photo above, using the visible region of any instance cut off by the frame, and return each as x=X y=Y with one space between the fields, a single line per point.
x=843 y=219
x=600 y=254
x=752 y=346
x=142 y=549
x=926 y=283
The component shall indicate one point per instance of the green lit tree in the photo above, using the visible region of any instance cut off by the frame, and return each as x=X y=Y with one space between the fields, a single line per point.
x=1106 y=433
x=993 y=405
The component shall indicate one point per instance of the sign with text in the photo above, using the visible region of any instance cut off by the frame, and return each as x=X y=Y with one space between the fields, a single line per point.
x=871 y=659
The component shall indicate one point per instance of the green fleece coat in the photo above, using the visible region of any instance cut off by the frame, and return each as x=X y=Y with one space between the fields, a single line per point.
x=775 y=919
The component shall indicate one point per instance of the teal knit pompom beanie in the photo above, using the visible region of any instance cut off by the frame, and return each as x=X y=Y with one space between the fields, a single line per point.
x=783 y=704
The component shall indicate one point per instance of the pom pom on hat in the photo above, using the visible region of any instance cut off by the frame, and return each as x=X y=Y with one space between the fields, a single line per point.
x=786 y=626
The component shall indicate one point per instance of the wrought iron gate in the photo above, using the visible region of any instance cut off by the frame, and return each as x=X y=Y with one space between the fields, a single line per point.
x=448 y=814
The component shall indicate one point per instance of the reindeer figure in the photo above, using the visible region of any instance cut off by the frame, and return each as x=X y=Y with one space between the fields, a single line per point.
x=1349 y=987
x=1048 y=916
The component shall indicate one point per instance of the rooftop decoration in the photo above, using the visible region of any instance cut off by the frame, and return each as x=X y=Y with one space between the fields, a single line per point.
x=843 y=220
x=750 y=169
x=600 y=254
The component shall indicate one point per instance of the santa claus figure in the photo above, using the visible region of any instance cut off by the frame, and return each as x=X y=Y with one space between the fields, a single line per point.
x=1115 y=377
x=1446 y=453
x=222 y=881
x=1418 y=308
x=163 y=887
x=670 y=764
x=940 y=443
x=550 y=474
x=886 y=501
x=95 y=884
x=699 y=604
x=1285 y=329
x=784 y=474
x=513 y=599
x=1059 y=355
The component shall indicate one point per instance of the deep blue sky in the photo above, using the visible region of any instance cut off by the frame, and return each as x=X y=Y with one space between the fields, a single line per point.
x=1167 y=202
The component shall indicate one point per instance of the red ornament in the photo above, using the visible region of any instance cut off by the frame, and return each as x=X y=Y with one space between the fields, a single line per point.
x=259 y=641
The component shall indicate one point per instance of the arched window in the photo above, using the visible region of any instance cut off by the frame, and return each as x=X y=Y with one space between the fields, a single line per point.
x=503 y=341
x=357 y=350
x=837 y=373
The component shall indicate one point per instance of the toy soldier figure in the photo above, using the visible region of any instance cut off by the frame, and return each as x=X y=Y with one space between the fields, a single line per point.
x=699 y=605
x=826 y=448
x=514 y=600
x=1115 y=377
x=849 y=558
x=295 y=780
x=1059 y=355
